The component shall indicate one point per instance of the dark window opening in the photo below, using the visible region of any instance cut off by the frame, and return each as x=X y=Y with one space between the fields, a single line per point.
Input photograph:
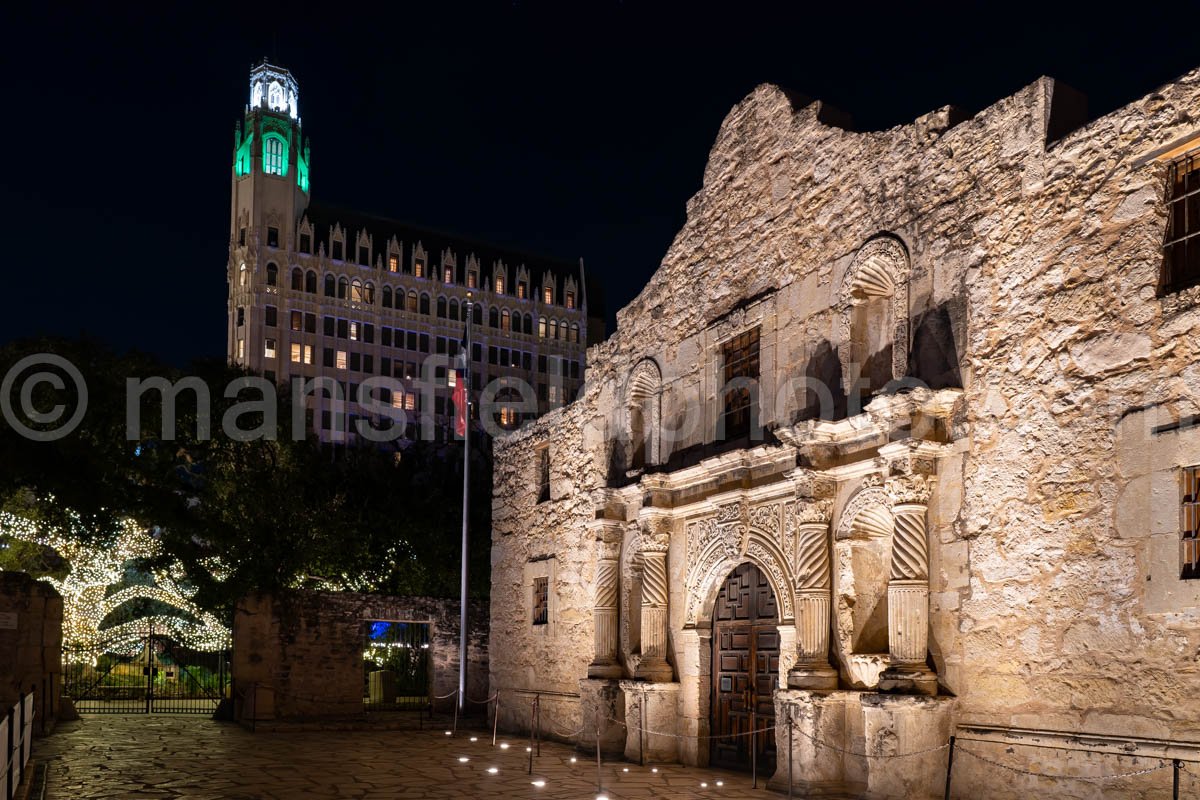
x=739 y=357
x=272 y=237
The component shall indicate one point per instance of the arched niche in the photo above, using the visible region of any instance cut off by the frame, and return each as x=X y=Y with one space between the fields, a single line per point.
x=862 y=552
x=873 y=319
x=643 y=408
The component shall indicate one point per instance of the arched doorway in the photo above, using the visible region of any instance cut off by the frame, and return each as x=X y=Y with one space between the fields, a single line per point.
x=745 y=671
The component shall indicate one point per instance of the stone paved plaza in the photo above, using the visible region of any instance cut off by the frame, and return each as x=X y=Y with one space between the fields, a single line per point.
x=193 y=757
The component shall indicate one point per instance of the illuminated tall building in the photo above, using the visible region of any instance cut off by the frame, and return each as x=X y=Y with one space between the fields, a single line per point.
x=321 y=292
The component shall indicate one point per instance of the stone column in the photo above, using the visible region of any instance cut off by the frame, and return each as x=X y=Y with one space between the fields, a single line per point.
x=813 y=601
x=908 y=589
x=608 y=551
x=655 y=593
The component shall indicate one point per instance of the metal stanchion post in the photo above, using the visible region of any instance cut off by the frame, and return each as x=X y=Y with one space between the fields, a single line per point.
x=790 y=723
x=949 y=768
x=642 y=730
x=1175 y=764
x=599 y=774
x=539 y=727
x=454 y=727
x=754 y=748
x=532 y=717
x=495 y=716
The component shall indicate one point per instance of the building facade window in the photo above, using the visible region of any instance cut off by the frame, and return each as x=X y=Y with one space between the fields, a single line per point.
x=271 y=316
x=472 y=279
x=570 y=300
x=1189 y=523
x=1181 y=252
x=297 y=352
x=274 y=158
x=548 y=295
x=541 y=601
x=297 y=320
x=418 y=268
x=393 y=263
x=448 y=274
x=272 y=275
x=740 y=370
x=269 y=348
x=499 y=284
x=342 y=360
x=272 y=237
x=522 y=290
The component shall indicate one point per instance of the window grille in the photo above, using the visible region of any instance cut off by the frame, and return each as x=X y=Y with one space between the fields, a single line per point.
x=741 y=364
x=1181 y=251
x=541 y=601
x=1189 y=521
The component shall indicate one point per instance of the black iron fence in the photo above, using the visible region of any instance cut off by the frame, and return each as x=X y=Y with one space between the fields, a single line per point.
x=397 y=673
x=149 y=673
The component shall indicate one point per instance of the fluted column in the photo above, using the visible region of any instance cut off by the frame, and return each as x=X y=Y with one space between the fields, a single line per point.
x=908 y=589
x=608 y=550
x=813 y=601
x=655 y=593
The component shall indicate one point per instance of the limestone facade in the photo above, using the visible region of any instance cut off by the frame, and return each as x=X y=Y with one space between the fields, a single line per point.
x=973 y=400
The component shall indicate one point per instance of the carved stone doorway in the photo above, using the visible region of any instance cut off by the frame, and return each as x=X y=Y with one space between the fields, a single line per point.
x=745 y=671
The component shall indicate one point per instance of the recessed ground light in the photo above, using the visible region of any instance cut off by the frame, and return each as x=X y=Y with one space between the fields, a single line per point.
x=504 y=745
x=538 y=783
x=703 y=785
x=463 y=759
x=720 y=783
x=492 y=770
x=449 y=733
x=654 y=769
x=572 y=759
x=474 y=738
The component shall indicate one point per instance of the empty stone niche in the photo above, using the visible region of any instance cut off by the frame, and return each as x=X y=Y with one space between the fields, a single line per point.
x=863 y=555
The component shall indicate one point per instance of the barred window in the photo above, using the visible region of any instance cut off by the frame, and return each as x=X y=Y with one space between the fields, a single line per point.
x=1189 y=522
x=1181 y=252
x=739 y=358
x=541 y=601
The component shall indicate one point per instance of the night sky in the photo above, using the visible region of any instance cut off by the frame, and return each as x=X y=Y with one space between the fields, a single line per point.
x=568 y=129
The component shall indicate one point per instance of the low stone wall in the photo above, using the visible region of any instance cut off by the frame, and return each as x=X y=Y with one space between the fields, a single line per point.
x=299 y=655
x=31 y=614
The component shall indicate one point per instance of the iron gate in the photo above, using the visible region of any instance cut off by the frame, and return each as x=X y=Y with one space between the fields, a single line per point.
x=144 y=674
x=396 y=672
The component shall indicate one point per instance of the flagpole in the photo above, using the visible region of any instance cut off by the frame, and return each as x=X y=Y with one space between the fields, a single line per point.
x=462 y=629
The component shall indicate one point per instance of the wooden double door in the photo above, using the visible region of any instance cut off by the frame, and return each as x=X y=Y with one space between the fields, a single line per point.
x=745 y=671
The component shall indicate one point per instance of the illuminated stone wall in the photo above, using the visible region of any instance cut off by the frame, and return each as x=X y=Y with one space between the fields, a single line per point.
x=31 y=619
x=306 y=649
x=1008 y=260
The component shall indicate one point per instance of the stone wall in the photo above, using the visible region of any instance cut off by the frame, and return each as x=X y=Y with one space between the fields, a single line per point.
x=300 y=655
x=1025 y=259
x=31 y=614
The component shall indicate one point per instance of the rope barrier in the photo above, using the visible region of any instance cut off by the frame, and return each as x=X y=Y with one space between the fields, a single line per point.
x=649 y=732
x=858 y=755
x=444 y=696
x=483 y=702
x=1166 y=763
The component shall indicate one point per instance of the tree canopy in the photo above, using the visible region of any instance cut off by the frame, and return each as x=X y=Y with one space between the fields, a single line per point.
x=239 y=516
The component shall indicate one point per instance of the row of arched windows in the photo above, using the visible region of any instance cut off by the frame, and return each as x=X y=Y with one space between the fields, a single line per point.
x=358 y=291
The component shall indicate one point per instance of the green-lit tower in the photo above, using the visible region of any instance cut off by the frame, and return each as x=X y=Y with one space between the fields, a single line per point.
x=270 y=193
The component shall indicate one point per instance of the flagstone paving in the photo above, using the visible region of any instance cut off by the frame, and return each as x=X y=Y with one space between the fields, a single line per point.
x=193 y=757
